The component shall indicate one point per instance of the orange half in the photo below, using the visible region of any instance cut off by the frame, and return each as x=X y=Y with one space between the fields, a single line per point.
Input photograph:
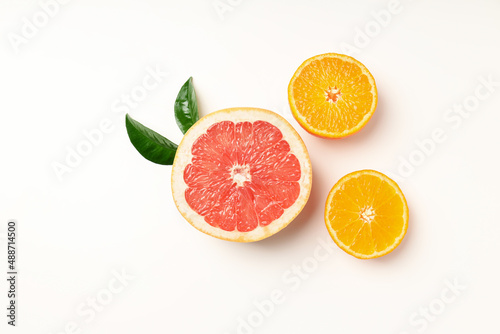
x=332 y=95
x=366 y=214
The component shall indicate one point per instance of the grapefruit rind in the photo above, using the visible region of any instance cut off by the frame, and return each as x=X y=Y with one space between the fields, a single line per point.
x=183 y=158
x=301 y=119
x=333 y=233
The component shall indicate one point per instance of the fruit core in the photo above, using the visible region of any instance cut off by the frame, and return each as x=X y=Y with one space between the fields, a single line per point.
x=332 y=94
x=240 y=174
x=367 y=214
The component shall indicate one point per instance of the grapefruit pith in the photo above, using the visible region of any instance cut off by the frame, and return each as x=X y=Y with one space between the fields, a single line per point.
x=241 y=174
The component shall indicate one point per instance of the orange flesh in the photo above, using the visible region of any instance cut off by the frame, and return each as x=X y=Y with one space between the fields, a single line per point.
x=333 y=95
x=367 y=214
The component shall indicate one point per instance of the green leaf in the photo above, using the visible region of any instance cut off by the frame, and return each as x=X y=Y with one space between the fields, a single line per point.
x=150 y=144
x=186 y=106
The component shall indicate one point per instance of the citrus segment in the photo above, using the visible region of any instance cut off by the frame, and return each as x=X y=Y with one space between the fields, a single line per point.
x=366 y=214
x=241 y=174
x=332 y=95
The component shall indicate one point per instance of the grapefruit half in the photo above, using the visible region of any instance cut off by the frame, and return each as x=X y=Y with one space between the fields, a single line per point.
x=241 y=174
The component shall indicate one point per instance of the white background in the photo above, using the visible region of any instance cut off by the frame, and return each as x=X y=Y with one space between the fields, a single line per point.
x=114 y=210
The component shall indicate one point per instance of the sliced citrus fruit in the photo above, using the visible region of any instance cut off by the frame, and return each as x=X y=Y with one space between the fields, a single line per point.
x=366 y=214
x=241 y=174
x=332 y=95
